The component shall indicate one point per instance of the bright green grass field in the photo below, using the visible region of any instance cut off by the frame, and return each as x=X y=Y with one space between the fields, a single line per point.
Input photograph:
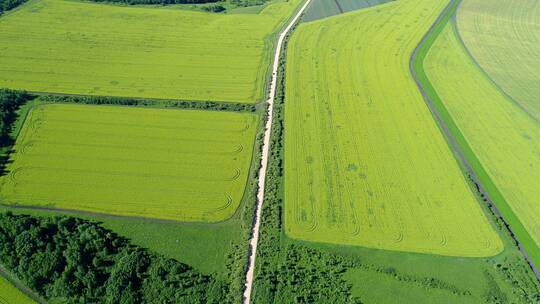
x=87 y=48
x=504 y=38
x=169 y=164
x=9 y=294
x=365 y=163
x=504 y=138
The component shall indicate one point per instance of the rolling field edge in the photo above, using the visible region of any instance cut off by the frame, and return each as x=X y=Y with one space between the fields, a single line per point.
x=250 y=271
x=462 y=151
x=495 y=84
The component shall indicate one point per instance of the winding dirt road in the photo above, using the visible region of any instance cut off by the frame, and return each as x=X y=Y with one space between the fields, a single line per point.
x=264 y=159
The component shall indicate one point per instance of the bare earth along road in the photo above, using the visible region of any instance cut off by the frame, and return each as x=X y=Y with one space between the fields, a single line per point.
x=264 y=159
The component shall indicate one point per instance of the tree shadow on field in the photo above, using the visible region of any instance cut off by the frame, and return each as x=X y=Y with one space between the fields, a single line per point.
x=10 y=103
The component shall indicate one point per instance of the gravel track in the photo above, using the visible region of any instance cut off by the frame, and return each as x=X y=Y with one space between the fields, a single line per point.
x=264 y=158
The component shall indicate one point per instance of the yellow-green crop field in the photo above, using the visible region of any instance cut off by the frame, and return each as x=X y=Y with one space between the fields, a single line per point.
x=365 y=161
x=504 y=138
x=504 y=38
x=169 y=164
x=99 y=49
x=10 y=294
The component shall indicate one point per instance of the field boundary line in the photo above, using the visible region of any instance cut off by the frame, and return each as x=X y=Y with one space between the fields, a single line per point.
x=486 y=74
x=459 y=145
x=264 y=158
x=151 y=99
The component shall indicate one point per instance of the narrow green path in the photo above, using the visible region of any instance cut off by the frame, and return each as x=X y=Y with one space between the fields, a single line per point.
x=463 y=152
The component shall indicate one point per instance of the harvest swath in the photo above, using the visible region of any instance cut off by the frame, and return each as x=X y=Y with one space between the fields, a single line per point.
x=365 y=162
x=166 y=164
x=503 y=36
x=480 y=111
x=99 y=49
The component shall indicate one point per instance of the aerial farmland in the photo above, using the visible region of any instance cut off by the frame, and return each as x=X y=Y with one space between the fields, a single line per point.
x=269 y=151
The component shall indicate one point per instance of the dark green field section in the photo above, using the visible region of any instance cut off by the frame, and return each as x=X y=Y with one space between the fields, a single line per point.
x=319 y=9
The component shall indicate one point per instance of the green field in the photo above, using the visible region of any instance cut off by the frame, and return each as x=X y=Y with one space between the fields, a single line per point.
x=99 y=49
x=9 y=294
x=365 y=163
x=319 y=9
x=166 y=164
x=503 y=36
x=481 y=111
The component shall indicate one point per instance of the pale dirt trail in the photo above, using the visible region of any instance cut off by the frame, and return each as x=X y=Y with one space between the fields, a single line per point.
x=264 y=158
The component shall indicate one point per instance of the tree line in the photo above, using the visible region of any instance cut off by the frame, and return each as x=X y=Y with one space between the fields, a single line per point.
x=6 y=5
x=132 y=2
x=73 y=260
x=10 y=101
x=125 y=101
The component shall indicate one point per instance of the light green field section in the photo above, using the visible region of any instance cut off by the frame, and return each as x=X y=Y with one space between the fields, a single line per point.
x=168 y=164
x=319 y=9
x=504 y=38
x=99 y=49
x=504 y=138
x=10 y=294
x=365 y=163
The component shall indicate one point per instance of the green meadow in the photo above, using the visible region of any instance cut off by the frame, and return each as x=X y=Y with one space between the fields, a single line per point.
x=101 y=49
x=182 y=165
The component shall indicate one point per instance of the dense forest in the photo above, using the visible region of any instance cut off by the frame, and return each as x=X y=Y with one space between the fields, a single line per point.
x=77 y=261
